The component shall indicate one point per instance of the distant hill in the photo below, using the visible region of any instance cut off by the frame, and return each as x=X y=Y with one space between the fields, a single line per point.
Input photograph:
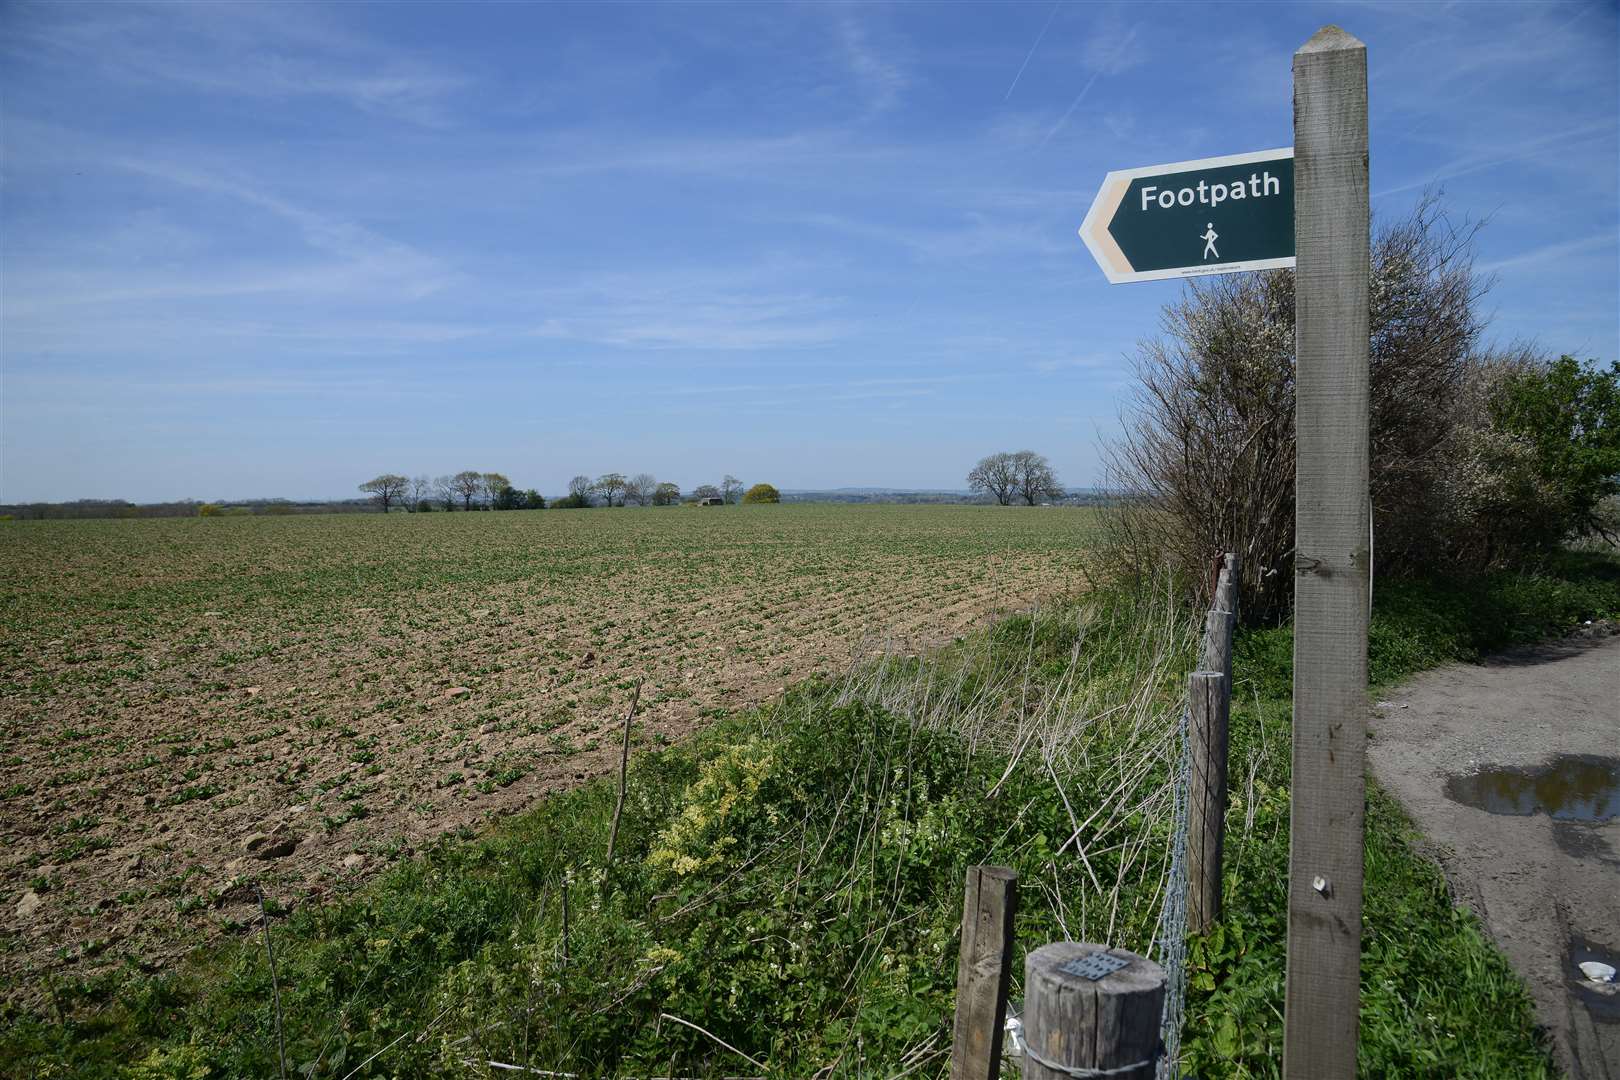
x=1081 y=497
x=880 y=495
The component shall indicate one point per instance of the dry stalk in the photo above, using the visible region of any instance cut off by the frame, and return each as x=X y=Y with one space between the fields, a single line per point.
x=275 y=985
x=713 y=1036
x=624 y=767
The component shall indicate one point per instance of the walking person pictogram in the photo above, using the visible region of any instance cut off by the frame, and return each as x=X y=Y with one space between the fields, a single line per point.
x=1209 y=239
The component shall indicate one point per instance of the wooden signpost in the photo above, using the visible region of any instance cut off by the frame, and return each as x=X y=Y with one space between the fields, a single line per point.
x=1224 y=215
x=1330 y=557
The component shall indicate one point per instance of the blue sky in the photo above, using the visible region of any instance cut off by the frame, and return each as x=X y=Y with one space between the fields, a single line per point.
x=275 y=250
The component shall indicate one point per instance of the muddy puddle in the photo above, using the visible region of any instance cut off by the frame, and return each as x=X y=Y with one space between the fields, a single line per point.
x=1568 y=788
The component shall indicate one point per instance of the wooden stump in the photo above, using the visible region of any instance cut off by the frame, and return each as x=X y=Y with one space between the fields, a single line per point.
x=1074 y=1022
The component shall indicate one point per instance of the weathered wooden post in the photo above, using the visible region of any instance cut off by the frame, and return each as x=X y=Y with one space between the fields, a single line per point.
x=1089 y=1007
x=1208 y=707
x=1226 y=593
x=1331 y=557
x=1218 y=629
x=983 y=972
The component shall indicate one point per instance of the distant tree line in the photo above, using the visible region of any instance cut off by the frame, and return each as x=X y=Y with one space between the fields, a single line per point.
x=466 y=490
x=123 y=508
x=664 y=494
x=642 y=489
x=473 y=490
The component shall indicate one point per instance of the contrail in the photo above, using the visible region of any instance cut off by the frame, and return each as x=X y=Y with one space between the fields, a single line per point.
x=1118 y=52
x=1032 y=49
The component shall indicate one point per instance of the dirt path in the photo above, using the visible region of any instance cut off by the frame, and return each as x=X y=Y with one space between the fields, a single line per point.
x=1540 y=724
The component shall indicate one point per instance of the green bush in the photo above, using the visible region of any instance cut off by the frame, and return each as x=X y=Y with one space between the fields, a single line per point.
x=762 y=493
x=1567 y=415
x=1421 y=624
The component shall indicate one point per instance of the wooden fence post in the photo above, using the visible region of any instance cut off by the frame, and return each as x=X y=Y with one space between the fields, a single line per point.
x=983 y=972
x=1208 y=705
x=1226 y=593
x=1218 y=628
x=1331 y=557
x=1085 y=1010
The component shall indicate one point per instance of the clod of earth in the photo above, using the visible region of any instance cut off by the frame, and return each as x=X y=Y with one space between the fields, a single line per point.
x=264 y=846
x=29 y=904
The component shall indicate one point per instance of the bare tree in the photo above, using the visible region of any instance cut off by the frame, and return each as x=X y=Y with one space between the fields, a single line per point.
x=611 y=486
x=467 y=486
x=421 y=491
x=995 y=475
x=1206 y=462
x=731 y=488
x=640 y=488
x=444 y=489
x=492 y=484
x=386 y=488
x=705 y=491
x=581 y=490
x=1033 y=479
x=666 y=494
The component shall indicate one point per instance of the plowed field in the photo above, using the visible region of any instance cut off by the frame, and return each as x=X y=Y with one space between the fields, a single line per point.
x=193 y=705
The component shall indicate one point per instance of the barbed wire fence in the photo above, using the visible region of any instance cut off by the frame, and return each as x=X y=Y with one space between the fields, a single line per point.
x=1201 y=765
x=1170 y=941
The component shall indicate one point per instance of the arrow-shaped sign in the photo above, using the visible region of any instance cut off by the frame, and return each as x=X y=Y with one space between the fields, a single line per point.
x=1214 y=216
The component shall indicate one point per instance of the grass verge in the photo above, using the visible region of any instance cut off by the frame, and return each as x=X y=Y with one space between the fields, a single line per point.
x=1437 y=998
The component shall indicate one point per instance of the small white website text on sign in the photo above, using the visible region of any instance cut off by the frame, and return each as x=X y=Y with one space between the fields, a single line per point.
x=1258 y=185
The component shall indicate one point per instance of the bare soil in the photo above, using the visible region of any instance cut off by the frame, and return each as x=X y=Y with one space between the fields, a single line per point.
x=192 y=710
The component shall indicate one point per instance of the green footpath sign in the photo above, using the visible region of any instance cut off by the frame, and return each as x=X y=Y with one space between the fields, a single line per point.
x=1214 y=216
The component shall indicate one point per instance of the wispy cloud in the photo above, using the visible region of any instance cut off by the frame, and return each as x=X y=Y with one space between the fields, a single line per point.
x=400 y=263
x=812 y=152
x=1551 y=253
x=114 y=392
x=978 y=235
x=702 y=311
x=1055 y=365
x=243 y=50
x=864 y=387
x=1501 y=154
x=881 y=78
